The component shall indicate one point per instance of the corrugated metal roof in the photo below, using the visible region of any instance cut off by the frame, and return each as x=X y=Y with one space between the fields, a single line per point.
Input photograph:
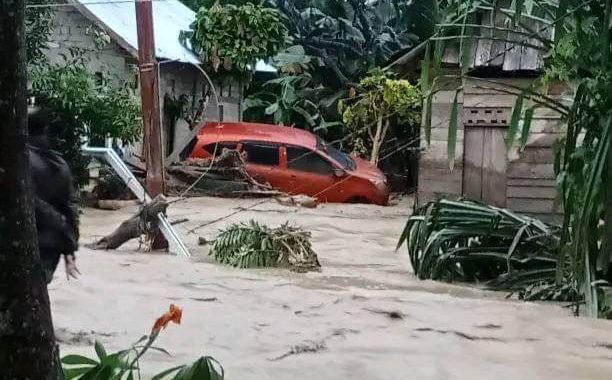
x=170 y=17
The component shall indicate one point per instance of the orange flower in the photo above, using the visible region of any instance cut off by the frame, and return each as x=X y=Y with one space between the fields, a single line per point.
x=174 y=315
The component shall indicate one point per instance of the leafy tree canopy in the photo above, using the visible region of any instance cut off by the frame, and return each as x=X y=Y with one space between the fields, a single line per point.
x=233 y=37
x=348 y=38
x=381 y=102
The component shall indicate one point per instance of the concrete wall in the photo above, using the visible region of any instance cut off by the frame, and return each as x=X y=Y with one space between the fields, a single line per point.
x=72 y=29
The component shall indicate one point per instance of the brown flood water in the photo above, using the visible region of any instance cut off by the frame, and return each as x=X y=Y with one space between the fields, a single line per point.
x=364 y=316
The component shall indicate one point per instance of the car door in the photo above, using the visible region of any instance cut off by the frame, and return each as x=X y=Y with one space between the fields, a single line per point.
x=310 y=173
x=263 y=162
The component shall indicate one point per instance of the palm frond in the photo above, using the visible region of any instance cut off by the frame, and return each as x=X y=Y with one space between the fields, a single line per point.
x=473 y=242
x=253 y=245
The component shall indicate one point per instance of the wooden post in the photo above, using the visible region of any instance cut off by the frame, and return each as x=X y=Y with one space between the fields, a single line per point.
x=27 y=343
x=149 y=93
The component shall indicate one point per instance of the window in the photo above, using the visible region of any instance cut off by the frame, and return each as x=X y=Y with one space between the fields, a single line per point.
x=342 y=158
x=262 y=154
x=210 y=148
x=306 y=160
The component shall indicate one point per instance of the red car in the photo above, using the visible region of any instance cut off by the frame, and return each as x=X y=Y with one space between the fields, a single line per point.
x=296 y=161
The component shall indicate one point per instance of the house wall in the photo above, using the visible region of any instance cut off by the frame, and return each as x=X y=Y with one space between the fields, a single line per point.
x=436 y=180
x=73 y=29
x=178 y=78
x=531 y=185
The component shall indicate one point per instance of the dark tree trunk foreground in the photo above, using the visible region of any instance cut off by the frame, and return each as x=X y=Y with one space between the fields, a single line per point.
x=27 y=343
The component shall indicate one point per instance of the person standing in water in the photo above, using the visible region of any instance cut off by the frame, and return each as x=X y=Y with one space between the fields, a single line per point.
x=55 y=205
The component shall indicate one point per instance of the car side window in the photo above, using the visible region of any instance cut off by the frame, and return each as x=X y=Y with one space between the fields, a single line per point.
x=306 y=160
x=210 y=148
x=262 y=154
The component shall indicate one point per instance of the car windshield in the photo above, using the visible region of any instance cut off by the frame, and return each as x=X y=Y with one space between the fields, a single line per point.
x=342 y=158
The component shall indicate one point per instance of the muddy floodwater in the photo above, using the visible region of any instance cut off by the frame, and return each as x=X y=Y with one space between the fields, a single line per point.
x=364 y=316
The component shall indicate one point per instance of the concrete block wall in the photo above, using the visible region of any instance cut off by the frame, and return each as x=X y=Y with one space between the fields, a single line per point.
x=72 y=29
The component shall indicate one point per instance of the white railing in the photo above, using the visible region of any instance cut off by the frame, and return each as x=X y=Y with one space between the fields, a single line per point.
x=175 y=245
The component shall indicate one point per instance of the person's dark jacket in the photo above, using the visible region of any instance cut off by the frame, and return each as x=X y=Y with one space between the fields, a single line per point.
x=56 y=211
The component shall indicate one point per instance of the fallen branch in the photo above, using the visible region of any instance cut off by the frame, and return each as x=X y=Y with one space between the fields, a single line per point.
x=143 y=223
x=225 y=176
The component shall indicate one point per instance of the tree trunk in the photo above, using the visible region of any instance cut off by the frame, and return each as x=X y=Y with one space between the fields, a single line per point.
x=382 y=126
x=27 y=343
x=143 y=223
x=607 y=235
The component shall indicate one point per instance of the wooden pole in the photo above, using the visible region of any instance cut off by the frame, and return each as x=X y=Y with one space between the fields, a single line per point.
x=149 y=92
x=27 y=343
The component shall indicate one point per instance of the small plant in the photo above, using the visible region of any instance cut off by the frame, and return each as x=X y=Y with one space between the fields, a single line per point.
x=252 y=245
x=125 y=364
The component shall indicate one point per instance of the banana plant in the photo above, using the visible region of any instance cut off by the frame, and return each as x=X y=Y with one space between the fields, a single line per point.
x=286 y=100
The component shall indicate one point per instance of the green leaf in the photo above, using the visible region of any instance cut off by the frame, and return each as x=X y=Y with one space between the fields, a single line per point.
x=425 y=68
x=77 y=372
x=310 y=119
x=428 y=117
x=452 y=132
x=272 y=108
x=466 y=55
x=439 y=46
x=326 y=125
x=514 y=122
x=78 y=360
x=167 y=372
x=100 y=351
x=527 y=126
x=518 y=10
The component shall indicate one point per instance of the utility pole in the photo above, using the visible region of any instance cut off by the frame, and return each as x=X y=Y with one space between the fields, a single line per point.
x=149 y=94
x=27 y=343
